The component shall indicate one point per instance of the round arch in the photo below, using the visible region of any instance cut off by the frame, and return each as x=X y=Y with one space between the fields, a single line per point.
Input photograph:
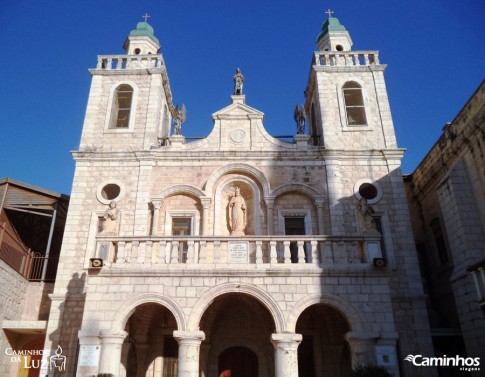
x=347 y=310
x=180 y=189
x=128 y=308
x=264 y=298
x=298 y=187
x=237 y=168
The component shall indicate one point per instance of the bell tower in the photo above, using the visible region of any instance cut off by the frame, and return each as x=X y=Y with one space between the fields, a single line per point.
x=346 y=94
x=130 y=101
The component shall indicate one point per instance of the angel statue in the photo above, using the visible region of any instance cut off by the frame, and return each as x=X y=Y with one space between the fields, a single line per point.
x=238 y=82
x=179 y=116
x=300 y=116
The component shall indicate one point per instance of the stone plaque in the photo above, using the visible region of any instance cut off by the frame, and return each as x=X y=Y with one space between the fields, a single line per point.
x=89 y=356
x=386 y=356
x=238 y=252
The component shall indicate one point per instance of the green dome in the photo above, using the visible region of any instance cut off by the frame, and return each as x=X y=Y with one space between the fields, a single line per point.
x=143 y=29
x=332 y=24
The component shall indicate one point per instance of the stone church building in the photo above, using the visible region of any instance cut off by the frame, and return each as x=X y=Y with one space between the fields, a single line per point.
x=240 y=254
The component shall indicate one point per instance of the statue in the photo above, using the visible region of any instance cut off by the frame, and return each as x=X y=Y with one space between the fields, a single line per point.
x=109 y=219
x=237 y=214
x=179 y=116
x=300 y=116
x=365 y=212
x=238 y=83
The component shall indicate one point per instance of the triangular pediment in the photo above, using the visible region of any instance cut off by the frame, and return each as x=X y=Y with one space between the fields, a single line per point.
x=238 y=109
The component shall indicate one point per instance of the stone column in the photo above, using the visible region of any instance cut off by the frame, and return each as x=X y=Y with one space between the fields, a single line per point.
x=157 y=204
x=111 y=343
x=189 y=350
x=269 y=215
x=286 y=355
x=319 y=204
x=205 y=215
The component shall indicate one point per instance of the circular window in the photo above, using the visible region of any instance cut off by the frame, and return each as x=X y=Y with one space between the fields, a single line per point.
x=137 y=51
x=368 y=191
x=339 y=48
x=365 y=188
x=111 y=191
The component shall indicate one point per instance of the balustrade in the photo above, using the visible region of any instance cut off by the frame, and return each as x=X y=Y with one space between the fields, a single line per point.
x=346 y=58
x=121 y=62
x=259 y=250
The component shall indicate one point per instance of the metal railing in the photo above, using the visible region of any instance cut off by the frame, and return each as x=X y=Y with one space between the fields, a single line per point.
x=23 y=260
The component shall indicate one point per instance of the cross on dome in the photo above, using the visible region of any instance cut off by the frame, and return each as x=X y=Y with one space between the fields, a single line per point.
x=329 y=12
x=146 y=17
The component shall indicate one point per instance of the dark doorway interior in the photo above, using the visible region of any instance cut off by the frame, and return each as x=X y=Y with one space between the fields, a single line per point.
x=238 y=362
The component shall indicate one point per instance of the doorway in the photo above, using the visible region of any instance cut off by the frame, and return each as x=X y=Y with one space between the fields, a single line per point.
x=238 y=362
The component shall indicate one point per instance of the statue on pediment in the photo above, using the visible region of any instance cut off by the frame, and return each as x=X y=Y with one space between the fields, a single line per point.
x=238 y=82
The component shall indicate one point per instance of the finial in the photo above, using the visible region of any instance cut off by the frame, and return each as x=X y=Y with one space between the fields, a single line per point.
x=146 y=17
x=329 y=12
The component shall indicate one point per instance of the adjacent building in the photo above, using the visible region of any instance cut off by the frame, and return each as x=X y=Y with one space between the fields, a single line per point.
x=447 y=198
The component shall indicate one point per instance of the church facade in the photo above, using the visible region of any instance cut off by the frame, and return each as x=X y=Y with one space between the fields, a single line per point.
x=241 y=252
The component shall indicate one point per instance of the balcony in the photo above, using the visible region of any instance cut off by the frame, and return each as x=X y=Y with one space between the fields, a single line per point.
x=250 y=252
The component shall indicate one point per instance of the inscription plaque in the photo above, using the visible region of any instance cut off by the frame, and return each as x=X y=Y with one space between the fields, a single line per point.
x=238 y=252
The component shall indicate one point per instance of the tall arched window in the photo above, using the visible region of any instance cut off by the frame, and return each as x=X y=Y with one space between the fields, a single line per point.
x=122 y=100
x=354 y=104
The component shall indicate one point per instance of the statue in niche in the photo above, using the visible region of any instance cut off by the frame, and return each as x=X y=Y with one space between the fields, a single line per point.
x=365 y=212
x=300 y=116
x=237 y=213
x=109 y=221
x=179 y=116
x=238 y=82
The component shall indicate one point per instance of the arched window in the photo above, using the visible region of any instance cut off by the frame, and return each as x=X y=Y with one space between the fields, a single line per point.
x=120 y=114
x=354 y=104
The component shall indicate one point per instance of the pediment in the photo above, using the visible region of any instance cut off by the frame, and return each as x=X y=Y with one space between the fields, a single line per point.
x=237 y=110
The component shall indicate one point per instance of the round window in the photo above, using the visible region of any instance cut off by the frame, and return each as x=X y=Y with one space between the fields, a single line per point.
x=110 y=191
x=137 y=51
x=368 y=191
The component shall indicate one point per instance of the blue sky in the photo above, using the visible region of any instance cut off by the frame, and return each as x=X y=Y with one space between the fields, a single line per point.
x=434 y=50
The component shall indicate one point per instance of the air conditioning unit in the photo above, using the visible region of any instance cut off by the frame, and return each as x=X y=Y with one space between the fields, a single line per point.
x=380 y=262
x=95 y=263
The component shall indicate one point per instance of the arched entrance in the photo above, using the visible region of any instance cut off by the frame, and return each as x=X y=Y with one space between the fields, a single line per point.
x=149 y=348
x=324 y=350
x=238 y=362
x=238 y=329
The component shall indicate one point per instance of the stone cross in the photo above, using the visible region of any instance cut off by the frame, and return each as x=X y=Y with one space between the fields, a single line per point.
x=329 y=12
x=146 y=17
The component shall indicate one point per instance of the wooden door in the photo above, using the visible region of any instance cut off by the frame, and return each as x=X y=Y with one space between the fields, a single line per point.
x=238 y=362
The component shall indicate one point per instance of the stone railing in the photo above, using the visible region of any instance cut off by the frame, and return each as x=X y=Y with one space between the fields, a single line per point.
x=120 y=62
x=347 y=58
x=259 y=250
